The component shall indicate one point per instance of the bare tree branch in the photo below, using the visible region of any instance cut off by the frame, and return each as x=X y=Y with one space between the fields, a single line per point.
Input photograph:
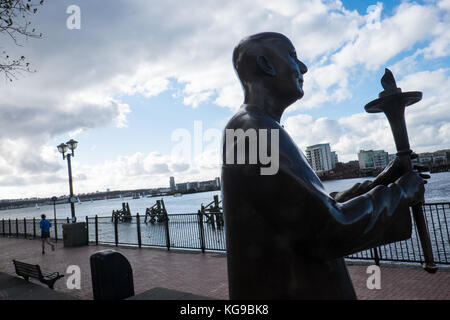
x=15 y=23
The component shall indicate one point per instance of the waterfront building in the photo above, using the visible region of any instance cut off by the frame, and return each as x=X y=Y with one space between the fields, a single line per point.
x=172 y=184
x=369 y=159
x=334 y=159
x=319 y=157
x=182 y=187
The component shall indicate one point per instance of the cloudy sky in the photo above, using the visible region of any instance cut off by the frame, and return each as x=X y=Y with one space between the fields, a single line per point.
x=146 y=87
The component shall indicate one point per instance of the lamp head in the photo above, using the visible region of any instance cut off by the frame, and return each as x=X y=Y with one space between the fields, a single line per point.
x=72 y=144
x=63 y=149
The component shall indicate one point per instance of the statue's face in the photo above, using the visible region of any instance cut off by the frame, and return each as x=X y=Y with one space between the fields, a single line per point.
x=289 y=70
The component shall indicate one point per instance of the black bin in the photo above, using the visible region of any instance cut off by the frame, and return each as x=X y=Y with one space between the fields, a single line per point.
x=112 y=276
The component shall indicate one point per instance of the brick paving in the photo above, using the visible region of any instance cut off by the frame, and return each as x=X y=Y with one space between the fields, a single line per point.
x=206 y=274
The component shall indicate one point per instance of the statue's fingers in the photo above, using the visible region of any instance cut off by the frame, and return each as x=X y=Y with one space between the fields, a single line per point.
x=421 y=168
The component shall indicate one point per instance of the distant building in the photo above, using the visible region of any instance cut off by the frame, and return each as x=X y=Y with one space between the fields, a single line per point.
x=392 y=157
x=207 y=184
x=373 y=159
x=439 y=158
x=334 y=159
x=319 y=157
x=192 y=186
x=172 y=184
x=218 y=182
x=182 y=187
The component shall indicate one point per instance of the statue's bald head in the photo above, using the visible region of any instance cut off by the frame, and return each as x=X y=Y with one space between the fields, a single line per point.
x=249 y=48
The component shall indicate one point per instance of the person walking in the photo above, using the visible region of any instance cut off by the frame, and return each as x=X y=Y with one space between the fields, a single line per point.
x=45 y=233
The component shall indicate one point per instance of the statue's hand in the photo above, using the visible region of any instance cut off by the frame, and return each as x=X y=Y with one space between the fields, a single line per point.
x=412 y=185
x=395 y=170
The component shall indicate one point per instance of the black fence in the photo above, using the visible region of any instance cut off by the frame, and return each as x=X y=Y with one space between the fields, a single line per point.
x=198 y=231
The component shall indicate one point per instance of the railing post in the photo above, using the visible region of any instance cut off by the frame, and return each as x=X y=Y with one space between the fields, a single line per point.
x=87 y=229
x=138 y=222
x=25 y=227
x=17 y=227
x=9 y=225
x=96 y=230
x=201 y=230
x=116 y=233
x=3 y=227
x=166 y=225
x=34 y=227
x=68 y=221
x=56 y=229
x=375 y=256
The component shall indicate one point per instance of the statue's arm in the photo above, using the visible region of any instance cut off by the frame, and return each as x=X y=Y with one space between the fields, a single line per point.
x=361 y=223
x=356 y=190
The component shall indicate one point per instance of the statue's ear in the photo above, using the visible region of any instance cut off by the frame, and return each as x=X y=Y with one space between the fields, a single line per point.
x=265 y=65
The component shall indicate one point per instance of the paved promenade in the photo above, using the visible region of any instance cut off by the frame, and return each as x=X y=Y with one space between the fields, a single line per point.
x=205 y=274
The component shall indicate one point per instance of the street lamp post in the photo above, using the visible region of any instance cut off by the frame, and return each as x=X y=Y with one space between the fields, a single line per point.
x=54 y=218
x=72 y=145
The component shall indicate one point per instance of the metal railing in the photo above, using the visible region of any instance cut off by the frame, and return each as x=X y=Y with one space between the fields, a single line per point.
x=195 y=231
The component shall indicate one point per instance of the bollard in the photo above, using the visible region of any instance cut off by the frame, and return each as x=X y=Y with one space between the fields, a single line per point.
x=112 y=276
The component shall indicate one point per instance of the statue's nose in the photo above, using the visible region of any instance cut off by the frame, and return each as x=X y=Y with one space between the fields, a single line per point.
x=303 y=68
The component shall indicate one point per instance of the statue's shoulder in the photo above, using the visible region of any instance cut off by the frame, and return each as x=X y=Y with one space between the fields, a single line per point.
x=249 y=118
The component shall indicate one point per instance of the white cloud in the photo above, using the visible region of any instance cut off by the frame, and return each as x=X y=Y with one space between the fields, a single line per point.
x=427 y=122
x=140 y=47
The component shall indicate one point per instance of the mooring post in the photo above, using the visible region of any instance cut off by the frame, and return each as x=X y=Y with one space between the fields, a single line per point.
x=138 y=223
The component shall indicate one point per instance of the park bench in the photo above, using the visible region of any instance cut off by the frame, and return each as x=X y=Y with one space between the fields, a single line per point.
x=27 y=270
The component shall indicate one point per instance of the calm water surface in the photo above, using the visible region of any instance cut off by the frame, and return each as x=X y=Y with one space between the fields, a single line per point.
x=437 y=190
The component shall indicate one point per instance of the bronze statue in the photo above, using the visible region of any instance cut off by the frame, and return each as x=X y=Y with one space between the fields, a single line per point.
x=285 y=235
